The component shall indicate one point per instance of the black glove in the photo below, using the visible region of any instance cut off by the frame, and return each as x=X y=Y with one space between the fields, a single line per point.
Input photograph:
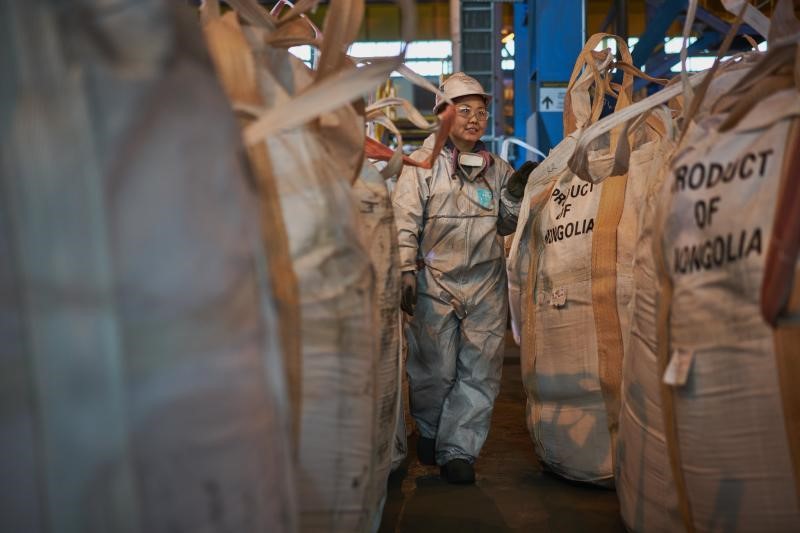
x=518 y=180
x=408 y=298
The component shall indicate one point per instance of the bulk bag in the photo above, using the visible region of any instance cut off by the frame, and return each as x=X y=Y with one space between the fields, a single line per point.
x=237 y=73
x=335 y=454
x=141 y=368
x=379 y=238
x=648 y=500
x=646 y=490
x=578 y=271
x=313 y=164
x=731 y=417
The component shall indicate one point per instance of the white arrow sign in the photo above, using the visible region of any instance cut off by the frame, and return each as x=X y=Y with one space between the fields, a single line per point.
x=552 y=99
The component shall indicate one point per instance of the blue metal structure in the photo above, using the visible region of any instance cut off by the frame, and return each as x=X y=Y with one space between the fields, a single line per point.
x=522 y=80
x=551 y=33
x=661 y=14
x=549 y=37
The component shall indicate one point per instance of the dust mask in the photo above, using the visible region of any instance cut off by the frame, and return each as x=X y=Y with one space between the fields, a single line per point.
x=471 y=164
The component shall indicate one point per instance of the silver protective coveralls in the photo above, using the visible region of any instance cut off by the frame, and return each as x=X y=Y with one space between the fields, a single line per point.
x=451 y=227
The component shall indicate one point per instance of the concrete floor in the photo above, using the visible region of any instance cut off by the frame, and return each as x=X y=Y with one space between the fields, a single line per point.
x=511 y=493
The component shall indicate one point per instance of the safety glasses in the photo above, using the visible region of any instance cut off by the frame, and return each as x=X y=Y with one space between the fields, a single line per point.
x=465 y=111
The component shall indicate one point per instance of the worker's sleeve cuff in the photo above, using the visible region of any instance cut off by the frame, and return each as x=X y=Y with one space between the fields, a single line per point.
x=510 y=203
x=408 y=259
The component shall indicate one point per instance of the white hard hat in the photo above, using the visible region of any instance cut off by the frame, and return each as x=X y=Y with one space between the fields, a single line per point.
x=459 y=84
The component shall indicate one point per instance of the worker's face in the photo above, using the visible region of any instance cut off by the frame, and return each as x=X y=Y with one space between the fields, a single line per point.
x=471 y=119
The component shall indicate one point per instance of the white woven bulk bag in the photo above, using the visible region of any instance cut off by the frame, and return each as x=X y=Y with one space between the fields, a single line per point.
x=337 y=434
x=238 y=75
x=337 y=448
x=731 y=437
x=314 y=164
x=143 y=367
x=379 y=237
x=314 y=142
x=579 y=283
x=336 y=455
x=402 y=428
x=399 y=444
x=646 y=490
x=643 y=477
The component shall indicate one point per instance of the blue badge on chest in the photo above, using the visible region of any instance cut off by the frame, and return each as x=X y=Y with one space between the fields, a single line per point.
x=485 y=197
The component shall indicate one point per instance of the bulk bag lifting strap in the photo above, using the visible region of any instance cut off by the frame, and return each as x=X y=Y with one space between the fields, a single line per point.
x=604 y=267
x=781 y=291
x=380 y=152
x=349 y=81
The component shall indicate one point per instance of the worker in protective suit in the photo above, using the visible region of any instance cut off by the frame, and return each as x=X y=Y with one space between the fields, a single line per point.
x=451 y=220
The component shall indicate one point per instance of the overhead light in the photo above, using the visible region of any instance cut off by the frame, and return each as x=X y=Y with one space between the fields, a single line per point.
x=374 y=49
x=426 y=68
x=429 y=50
x=697 y=63
x=673 y=45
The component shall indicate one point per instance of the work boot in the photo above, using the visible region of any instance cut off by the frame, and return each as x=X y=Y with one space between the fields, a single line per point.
x=459 y=472
x=426 y=450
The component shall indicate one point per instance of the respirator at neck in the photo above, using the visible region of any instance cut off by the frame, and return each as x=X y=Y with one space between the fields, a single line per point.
x=471 y=164
x=470 y=160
